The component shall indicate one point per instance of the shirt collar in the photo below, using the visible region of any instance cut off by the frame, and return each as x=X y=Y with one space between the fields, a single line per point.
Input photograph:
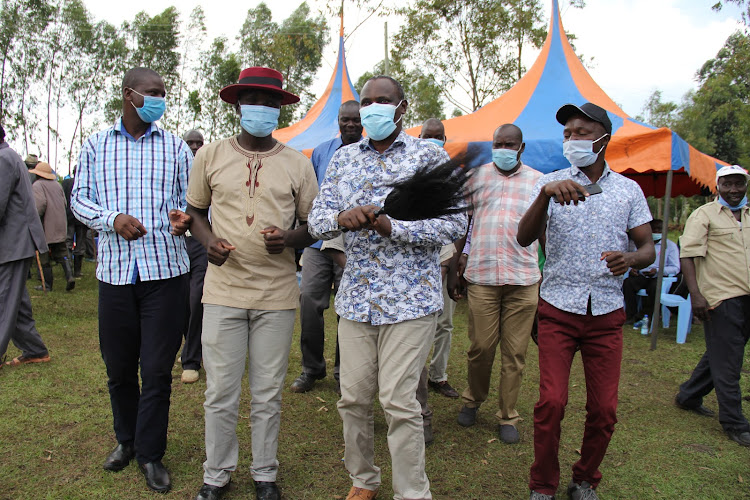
x=400 y=141
x=605 y=173
x=120 y=128
x=719 y=207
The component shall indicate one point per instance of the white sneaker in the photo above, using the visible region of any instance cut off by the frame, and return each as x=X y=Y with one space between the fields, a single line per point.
x=189 y=376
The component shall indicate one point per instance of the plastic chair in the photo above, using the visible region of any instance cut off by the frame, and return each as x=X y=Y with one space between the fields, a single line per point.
x=684 y=314
x=666 y=284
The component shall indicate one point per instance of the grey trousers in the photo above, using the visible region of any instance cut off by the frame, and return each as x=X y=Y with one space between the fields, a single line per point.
x=442 y=346
x=16 y=321
x=320 y=276
x=230 y=337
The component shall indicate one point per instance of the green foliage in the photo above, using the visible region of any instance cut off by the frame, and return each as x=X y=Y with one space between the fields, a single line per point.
x=716 y=117
x=657 y=112
x=220 y=68
x=293 y=47
x=473 y=48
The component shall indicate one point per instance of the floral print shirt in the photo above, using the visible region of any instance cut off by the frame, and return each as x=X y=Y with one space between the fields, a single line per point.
x=578 y=234
x=386 y=280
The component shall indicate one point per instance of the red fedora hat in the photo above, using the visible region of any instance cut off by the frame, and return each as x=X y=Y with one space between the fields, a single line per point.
x=258 y=77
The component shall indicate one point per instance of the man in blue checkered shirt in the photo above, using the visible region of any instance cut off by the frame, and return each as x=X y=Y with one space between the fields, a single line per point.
x=129 y=176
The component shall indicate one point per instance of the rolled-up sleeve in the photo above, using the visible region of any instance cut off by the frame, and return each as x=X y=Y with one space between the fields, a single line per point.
x=695 y=237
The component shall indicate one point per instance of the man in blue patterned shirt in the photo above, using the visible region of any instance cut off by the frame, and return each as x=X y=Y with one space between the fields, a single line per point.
x=581 y=304
x=390 y=292
x=129 y=176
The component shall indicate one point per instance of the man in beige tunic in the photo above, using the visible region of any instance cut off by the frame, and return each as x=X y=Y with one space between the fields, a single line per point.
x=258 y=189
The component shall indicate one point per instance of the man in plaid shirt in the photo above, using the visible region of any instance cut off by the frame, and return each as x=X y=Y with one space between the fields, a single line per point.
x=503 y=280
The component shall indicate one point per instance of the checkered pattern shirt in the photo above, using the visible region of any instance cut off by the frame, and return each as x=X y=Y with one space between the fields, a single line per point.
x=499 y=202
x=144 y=178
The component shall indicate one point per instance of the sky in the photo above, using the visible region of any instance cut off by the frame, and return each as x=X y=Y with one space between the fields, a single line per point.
x=634 y=46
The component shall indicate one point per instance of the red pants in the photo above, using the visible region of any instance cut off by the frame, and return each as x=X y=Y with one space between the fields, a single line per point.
x=600 y=342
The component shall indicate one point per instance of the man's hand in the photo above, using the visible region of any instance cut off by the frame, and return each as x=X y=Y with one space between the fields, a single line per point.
x=565 y=192
x=180 y=222
x=274 y=239
x=700 y=306
x=357 y=218
x=218 y=251
x=129 y=227
x=650 y=273
x=456 y=282
x=617 y=262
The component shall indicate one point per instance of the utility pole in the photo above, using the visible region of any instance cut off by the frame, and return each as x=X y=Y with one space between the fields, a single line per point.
x=387 y=68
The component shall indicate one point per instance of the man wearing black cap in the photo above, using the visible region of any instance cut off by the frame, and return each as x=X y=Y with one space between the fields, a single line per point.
x=257 y=189
x=581 y=304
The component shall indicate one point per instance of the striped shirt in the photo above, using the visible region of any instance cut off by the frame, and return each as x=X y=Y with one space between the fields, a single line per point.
x=499 y=202
x=144 y=178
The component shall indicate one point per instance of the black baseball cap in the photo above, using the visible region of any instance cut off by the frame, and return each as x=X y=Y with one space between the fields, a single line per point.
x=589 y=110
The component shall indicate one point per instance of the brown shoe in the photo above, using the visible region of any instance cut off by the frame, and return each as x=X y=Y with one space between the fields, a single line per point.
x=23 y=360
x=361 y=494
x=443 y=388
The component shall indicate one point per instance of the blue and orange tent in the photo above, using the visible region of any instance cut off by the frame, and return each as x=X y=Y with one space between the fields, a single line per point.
x=638 y=150
x=321 y=123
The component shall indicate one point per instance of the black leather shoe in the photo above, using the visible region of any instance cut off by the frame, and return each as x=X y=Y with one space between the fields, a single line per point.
x=265 y=490
x=211 y=492
x=120 y=457
x=443 y=388
x=157 y=477
x=700 y=409
x=741 y=438
x=304 y=383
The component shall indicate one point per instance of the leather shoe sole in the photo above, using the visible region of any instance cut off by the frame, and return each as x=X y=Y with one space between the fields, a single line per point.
x=700 y=410
x=157 y=477
x=119 y=458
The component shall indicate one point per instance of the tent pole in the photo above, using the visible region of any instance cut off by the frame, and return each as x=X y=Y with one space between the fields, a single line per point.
x=656 y=320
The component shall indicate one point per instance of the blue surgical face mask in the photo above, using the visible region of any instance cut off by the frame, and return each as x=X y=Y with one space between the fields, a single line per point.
x=377 y=119
x=505 y=159
x=435 y=141
x=152 y=109
x=259 y=121
x=580 y=153
x=742 y=204
x=656 y=236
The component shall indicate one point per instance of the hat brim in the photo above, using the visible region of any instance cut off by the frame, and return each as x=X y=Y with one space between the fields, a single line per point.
x=567 y=111
x=45 y=175
x=229 y=93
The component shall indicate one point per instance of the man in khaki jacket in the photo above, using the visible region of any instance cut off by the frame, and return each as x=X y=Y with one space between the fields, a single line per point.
x=715 y=261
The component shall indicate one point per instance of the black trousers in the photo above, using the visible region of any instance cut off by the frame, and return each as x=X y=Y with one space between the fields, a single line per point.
x=630 y=288
x=191 y=351
x=727 y=333
x=142 y=323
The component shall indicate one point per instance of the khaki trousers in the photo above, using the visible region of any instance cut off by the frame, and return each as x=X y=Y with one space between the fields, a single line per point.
x=499 y=315
x=232 y=339
x=387 y=359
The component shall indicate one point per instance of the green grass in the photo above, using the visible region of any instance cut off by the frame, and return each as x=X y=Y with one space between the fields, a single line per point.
x=56 y=426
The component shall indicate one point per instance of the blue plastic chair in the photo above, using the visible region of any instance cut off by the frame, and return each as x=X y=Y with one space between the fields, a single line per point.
x=666 y=284
x=684 y=314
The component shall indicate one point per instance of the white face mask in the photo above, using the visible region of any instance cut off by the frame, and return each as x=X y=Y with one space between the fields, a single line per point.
x=581 y=153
